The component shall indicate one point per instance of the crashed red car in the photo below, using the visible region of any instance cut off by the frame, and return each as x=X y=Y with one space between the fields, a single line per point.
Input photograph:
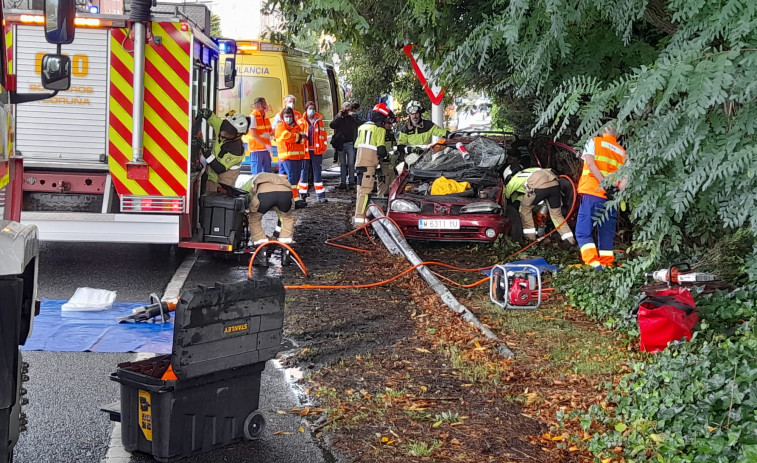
x=479 y=213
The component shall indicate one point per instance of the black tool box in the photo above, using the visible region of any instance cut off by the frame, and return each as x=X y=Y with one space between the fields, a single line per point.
x=222 y=217
x=223 y=336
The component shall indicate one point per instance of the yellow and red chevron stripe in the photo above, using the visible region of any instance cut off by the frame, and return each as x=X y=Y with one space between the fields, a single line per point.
x=9 y=47
x=166 y=109
x=4 y=173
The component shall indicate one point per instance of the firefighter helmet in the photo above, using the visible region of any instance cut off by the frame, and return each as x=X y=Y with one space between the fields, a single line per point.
x=414 y=107
x=382 y=108
x=239 y=122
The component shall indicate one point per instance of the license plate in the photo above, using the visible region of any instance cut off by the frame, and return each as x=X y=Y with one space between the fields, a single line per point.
x=439 y=224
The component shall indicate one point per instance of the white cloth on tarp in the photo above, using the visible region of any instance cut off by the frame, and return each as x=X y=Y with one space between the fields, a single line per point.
x=90 y=299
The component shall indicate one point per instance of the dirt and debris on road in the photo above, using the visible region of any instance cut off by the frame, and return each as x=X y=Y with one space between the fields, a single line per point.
x=394 y=376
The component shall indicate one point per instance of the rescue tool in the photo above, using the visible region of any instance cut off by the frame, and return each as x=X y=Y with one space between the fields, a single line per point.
x=680 y=274
x=516 y=286
x=156 y=311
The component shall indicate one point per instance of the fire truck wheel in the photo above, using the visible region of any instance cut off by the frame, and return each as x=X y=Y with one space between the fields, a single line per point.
x=254 y=425
x=512 y=214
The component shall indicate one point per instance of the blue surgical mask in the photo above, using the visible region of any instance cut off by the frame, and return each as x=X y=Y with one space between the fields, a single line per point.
x=288 y=120
x=311 y=112
x=290 y=105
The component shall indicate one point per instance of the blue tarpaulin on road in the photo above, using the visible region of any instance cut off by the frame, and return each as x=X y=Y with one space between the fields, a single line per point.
x=538 y=262
x=96 y=331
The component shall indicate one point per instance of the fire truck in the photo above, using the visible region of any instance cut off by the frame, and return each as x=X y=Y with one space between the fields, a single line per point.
x=115 y=158
x=18 y=243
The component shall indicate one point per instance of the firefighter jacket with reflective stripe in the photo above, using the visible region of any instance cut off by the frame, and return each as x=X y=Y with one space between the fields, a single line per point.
x=227 y=154
x=286 y=142
x=370 y=145
x=411 y=135
x=263 y=126
x=516 y=187
x=318 y=143
x=608 y=156
x=370 y=136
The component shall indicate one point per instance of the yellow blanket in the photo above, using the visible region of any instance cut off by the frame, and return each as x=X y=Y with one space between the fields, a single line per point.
x=445 y=186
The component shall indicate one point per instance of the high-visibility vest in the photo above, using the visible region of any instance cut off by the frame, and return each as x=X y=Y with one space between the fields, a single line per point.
x=318 y=144
x=370 y=136
x=263 y=126
x=608 y=156
x=286 y=142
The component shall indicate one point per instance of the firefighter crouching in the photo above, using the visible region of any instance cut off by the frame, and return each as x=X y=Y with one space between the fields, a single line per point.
x=270 y=191
x=228 y=150
x=536 y=185
x=371 y=137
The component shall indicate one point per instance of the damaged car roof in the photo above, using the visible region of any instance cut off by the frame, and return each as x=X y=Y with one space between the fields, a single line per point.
x=483 y=152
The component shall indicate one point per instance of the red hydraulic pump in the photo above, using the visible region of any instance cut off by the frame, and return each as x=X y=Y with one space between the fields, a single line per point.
x=516 y=286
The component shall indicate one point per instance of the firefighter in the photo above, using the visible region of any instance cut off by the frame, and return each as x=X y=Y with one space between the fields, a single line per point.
x=602 y=157
x=260 y=138
x=532 y=186
x=388 y=163
x=228 y=150
x=417 y=131
x=270 y=191
x=371 y=137
x=312 y=125
x=291 y=147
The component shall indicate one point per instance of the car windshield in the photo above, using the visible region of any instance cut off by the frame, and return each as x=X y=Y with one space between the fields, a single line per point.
x=483 y=152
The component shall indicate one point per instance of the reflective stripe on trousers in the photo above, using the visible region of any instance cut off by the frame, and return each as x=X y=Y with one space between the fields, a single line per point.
x=591 y=214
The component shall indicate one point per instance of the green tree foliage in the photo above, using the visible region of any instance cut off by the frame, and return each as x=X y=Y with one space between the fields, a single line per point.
x=678 y=75
x=215 y=26
x=366 y=40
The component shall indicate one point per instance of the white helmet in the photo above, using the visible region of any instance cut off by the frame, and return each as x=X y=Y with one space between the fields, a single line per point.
x=414 y=107
x=239 y=122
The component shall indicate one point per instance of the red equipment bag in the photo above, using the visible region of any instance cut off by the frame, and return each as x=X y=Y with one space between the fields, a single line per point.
x=667 y=316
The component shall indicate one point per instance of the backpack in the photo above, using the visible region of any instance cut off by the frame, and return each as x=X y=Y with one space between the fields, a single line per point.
x=667 y=316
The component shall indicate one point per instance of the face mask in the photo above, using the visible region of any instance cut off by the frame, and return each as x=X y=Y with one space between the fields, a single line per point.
x=311 y=112
x=288 y=120
x=290 y=105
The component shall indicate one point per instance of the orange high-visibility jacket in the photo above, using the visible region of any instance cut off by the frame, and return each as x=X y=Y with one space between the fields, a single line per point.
x=263 y=126
x=608 y=156
x=318 y=144
x=286 y=142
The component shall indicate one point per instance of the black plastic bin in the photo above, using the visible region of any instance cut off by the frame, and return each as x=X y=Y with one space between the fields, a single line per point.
x=222 y=337
x=222 y=217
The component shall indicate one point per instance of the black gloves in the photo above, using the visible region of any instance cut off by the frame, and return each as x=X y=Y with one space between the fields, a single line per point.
x=611 y=191
x=205 y=113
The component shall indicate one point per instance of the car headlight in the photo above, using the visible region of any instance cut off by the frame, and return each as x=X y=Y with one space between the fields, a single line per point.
x=481 y=207
x=403 y=205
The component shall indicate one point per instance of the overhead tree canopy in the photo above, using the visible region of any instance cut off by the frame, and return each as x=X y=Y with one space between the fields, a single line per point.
x=215 y=26
x=680 y=77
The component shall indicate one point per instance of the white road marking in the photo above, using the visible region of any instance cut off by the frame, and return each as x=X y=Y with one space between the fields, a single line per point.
x=116 y=452
x=173 y=289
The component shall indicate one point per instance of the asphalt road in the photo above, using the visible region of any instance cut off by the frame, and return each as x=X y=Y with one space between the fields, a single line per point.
x=66 y=390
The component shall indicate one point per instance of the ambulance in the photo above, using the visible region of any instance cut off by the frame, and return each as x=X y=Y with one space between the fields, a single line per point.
x=274 y=71
x=95 y=165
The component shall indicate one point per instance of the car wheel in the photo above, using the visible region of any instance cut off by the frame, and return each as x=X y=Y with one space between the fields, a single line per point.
x=516 y=225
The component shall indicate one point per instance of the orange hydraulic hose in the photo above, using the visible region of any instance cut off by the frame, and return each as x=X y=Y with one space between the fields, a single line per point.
x=278 y=243
x=363 y=227
x=408 y=270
